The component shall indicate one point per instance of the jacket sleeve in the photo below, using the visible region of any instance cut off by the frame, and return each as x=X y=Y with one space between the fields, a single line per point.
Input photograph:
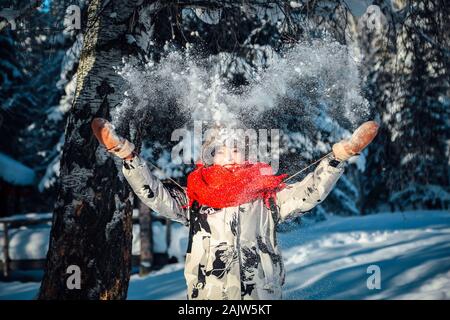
x=153 y=193
x=302 y=196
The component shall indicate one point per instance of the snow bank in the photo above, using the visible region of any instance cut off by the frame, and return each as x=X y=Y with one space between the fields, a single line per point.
x=330 y=260
x=15 y=172
x=178 y=243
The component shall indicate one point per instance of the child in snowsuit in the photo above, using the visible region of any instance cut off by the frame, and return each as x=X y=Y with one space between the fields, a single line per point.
x=232 y=211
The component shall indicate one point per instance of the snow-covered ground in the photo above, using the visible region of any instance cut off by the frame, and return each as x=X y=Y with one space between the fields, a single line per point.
x=329 y=260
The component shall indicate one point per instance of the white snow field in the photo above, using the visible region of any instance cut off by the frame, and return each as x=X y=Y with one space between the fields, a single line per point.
x=329 y=260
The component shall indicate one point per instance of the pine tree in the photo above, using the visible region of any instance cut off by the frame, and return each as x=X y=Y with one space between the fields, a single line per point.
x=420 y=124
x=38 y=99
x=409 y=84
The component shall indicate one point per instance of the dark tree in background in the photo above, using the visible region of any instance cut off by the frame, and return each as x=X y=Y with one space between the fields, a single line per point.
x=419 y=127
x=408 y=82
x=39 y=60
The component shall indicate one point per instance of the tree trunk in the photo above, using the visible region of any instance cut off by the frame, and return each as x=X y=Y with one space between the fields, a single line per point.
x=92 y=225
x=146 y=239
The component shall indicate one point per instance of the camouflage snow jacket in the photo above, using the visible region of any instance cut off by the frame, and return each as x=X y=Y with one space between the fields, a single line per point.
x=233 y=252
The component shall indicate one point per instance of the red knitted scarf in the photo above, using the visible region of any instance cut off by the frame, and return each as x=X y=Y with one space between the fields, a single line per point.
x=220 y=187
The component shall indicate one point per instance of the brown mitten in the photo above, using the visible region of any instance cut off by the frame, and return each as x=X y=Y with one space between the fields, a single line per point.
x=362 y=136
x=105 y=134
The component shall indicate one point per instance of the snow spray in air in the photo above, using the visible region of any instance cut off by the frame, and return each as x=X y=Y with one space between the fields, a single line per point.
x=308 y=91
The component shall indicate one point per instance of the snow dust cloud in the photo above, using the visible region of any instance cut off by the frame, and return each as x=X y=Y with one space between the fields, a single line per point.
x=310 y=87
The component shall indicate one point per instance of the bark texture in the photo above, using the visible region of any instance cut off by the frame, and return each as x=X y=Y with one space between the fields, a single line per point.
x=92 y=225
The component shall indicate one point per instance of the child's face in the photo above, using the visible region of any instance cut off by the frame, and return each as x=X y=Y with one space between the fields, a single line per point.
x=227 y=156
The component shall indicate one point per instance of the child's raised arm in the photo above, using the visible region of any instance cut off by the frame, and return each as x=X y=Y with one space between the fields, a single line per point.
x=302 y=196
x=164 y=201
